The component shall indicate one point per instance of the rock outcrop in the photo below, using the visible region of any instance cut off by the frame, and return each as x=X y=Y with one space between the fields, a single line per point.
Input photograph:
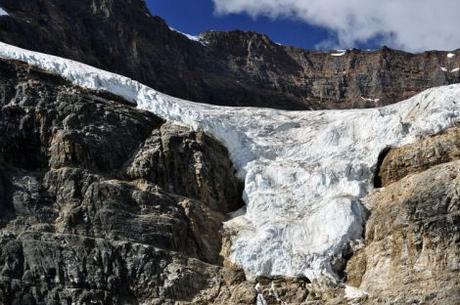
x=236 y=68
x=399 y=162
x=412 y=241
x=101 y=203
x=412 y=251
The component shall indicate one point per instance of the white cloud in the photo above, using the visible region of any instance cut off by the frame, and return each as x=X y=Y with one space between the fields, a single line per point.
x=408 y=24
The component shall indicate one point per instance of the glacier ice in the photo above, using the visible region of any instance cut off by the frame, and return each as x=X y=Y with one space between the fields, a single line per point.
x=305 y=172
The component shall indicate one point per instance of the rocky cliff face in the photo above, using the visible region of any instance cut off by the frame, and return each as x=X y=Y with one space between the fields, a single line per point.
x=235 y=68
x=101 y=203
x=412 y=241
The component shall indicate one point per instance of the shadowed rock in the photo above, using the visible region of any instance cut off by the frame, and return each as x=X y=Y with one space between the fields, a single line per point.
x=92 y=210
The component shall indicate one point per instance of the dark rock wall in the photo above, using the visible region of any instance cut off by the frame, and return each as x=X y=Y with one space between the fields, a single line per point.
x=102 y=203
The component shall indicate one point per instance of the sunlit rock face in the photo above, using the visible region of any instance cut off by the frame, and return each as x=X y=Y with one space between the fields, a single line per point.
x=411 y=250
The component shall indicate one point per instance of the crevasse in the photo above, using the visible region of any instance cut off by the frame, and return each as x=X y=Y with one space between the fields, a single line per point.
x=305 y=172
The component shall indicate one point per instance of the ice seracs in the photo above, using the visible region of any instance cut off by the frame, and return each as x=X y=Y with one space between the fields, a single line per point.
x=305 y=172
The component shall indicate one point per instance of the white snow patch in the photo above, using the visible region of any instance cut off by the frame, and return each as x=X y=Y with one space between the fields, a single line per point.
x=354 y=293
x=3 y=12
x=260 y=299
x=339 y=53
x=274 y=293
x=260 y=296
x=455 y=70
x=374 y=100
x=190 y=37
x=450 y=55
x=444 y=69
x=304 y=171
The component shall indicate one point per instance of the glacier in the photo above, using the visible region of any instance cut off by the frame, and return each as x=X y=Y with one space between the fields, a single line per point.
x=306 y=173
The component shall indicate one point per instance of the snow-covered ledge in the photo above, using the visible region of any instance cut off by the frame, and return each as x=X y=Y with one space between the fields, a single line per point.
x=304 y=171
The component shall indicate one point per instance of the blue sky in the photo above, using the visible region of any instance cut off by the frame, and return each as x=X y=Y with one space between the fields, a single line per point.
x=412 y=25
x=196 y=16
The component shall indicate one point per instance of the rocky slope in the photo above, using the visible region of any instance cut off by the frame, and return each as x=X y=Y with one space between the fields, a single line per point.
x=235 y=68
